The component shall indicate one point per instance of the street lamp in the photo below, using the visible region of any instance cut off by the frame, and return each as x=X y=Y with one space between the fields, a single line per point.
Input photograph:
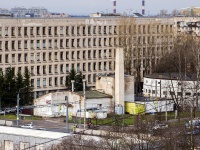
x=84 y=102
x=72 y=81
x=18 y=105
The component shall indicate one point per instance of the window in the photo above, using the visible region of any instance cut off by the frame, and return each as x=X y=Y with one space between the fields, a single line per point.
x=32 y=47
x=89 y=66
x=13 y=57
x=61 y=80
x=84 y=67
x=104 y=66
x=55 y=31
x=13 y=45
x=94 y=54
x=25 y=44
x=50 y=44
x=78 y=42
x=44 y=81
x=89 y=78
x=19 y=31
x=67 y=30
x=38 y=31
x=32 y=82
x=78 y=66
x=55 y=56
x=13 y=31
x=61 y=43
x=94 y=29
x=187 y=93
x=50 y=81
x=89 y=54
x=50 y=57
x=6 y=45
x=55 y=43
x=67 y=55
x=61 y=68
x=78 y=54
x=50 y=68
x=38 y=44
x=49 y=31
x=105 y=53
x=61 y=55
x=99 y=53
x=38 y=82
x=19 y=57
x=67 y=42
x=94 y=42
x=25 y=57
x=61 y=30
x=32 y=57
x=99 y=65
x=84 y=54
x=56 y=81
x=38 y=56
x=31 y=31
x=56 y=69
x=44 y=43
x=44 y=56
x=67 y=67
x=110 y=65
x=25 y=31
x=44 y=69
x=38 y=70
x=72 y=55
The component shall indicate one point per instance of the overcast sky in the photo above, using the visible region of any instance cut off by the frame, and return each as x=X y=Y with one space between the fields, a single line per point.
x=77 y=7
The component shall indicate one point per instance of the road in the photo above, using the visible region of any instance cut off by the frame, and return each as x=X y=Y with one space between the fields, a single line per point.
x=49 y=124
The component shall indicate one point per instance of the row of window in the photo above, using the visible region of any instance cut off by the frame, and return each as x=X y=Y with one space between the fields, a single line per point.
x=81 y=30
x=57 y=30
x=56 y=44
x=57 y=56
x=170 y=93
x=65 y=68
x=57 y=81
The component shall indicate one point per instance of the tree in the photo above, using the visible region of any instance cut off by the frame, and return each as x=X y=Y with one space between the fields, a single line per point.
x=28 y=90
x=77 y=77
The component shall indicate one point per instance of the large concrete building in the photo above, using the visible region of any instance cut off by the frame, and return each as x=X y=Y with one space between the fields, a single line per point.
x=50 y=48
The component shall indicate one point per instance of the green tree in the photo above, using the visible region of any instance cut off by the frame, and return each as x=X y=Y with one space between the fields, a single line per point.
x=9 y=96
x=27 y=92
x=77 y=77
x=1 y=89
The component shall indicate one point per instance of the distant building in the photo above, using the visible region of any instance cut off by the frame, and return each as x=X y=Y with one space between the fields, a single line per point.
x=4 y=12
x=190 y=11
x=167 y=84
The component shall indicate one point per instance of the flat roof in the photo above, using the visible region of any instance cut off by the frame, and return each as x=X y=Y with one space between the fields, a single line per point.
x=32 y=132
x=94 y=94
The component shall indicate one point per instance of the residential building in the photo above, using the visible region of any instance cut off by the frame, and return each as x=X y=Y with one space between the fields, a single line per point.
x=51 y=47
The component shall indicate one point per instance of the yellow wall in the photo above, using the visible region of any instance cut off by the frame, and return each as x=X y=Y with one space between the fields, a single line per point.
x=134 y=108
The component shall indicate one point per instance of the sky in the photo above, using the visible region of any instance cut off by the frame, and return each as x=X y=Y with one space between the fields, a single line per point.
x=85 y=7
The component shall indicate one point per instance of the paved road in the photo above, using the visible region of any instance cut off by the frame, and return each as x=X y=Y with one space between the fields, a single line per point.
x=50 y=124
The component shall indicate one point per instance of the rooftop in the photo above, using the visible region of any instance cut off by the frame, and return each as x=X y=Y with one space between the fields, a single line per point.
x=94 y=94
x=173 y=76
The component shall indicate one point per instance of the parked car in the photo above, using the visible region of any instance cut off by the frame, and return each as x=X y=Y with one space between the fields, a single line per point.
x=195 y=124
x=160 y=126
x=30 y=126
x=194 y=132
x=2 y=112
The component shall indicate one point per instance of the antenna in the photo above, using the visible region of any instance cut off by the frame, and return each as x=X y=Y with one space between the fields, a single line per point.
x=143 y=7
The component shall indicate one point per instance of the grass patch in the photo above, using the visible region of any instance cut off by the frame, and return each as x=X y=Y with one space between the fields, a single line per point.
x=14 y=117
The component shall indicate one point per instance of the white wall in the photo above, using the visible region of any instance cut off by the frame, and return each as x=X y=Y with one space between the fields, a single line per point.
x=152 y=85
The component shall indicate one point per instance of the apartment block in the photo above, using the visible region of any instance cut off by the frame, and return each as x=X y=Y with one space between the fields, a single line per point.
x=51 y=47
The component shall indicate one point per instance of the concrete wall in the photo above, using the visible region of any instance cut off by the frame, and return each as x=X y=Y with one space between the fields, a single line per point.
x=105 y=84
x=56 y=104
x=129 y=88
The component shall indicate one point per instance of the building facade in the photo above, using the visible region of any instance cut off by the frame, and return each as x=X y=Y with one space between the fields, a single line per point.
x=51 y=47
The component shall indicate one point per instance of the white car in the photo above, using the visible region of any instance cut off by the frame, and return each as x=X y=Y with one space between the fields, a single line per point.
x=30 y=126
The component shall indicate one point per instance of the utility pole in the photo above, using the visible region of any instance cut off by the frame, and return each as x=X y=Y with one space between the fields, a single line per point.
x=84 y=80
x=67 y=125
x=166 y=108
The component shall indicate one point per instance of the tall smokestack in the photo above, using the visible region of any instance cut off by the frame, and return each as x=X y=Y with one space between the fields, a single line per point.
x=143 y=7
x=114 y=6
